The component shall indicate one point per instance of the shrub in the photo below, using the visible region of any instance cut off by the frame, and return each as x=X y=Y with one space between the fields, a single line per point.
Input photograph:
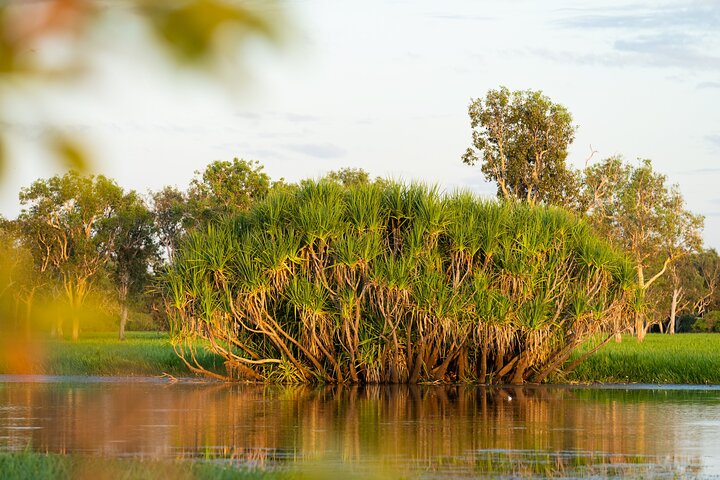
x=394 y=283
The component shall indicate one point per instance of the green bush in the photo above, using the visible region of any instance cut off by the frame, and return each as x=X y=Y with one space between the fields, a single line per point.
x=388 y=283
x=710 y=322
x=685 y=323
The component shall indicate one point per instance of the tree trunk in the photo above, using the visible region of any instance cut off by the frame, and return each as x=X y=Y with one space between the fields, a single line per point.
x=639 y=327
x=673 y=310
x=28 y=312
x=75 y=326
x=123 y=290
x=123 y=320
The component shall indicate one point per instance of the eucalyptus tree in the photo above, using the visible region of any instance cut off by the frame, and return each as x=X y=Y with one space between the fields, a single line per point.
x=134 y=250
x=706 y=264
x=225 y=188
x=636 y=208
x=521 y=139
x=172 y=217
x=349 y=177
x=393 y=283
x=65 y=221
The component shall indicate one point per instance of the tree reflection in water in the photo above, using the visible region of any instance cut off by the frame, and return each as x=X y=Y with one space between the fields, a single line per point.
x=459 y=430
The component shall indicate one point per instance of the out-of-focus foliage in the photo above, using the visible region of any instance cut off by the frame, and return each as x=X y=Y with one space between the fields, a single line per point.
x=88 y=248
x=48 y=42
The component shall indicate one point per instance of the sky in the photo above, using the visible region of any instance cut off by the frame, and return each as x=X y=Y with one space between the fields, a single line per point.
x=385 y=86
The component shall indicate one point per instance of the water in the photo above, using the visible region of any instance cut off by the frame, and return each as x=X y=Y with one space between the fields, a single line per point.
x=423 y=431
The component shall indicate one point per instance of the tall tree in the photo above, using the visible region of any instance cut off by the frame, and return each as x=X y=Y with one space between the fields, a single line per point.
x=227 y=187
x=635 y=207
x=707 y=265
x=521 y=138
x=133 y=251
x=65 y=220
x=349 y=177
x=172 y=216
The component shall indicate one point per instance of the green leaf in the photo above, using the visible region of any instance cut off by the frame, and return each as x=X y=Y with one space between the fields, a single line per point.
x=69 y=152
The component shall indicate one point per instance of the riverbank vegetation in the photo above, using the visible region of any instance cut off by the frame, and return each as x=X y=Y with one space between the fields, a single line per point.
x=691 y=358
x=103 y=354
x=350 y=279
x=39 y=466
x=392 y=283
x=482 y=464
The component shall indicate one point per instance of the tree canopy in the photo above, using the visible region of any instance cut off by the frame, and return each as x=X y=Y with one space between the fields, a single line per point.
x=521 y=140
x=636 y=208
x=225 y=188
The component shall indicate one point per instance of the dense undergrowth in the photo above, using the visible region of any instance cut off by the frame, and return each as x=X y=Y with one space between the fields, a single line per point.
x=390 y=283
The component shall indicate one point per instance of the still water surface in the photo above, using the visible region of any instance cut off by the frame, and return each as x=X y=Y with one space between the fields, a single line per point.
x=423 y=431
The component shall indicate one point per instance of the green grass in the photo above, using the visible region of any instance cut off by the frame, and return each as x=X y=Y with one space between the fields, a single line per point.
x=689 y=358
x=42 y=466
x=39 y=466
x=141 y=354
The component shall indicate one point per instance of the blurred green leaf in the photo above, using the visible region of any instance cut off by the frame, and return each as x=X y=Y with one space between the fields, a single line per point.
x=189 y=29
x=69 y=152
x=3 y=156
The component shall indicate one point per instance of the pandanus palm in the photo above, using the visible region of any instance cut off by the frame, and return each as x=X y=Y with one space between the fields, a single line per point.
x=394 y=283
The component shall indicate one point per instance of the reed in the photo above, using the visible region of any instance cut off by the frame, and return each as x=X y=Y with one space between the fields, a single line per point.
x=393 y=283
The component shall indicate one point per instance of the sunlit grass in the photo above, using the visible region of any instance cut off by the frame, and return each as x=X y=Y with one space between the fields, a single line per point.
x=690 y=358
x=39 y=466
x=142 y=353
x=36 y=466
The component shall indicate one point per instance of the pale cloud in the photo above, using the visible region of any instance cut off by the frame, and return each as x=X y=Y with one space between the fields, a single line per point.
x=714 y=141
x=462 y=18
x=708 y=85
x=697 y=15
x=317 y=150
x=679 y=34
x=701 y=171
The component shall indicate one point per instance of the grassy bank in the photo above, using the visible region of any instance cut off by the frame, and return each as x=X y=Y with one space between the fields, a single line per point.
x=143 y=353
x=43 y=466
x=38 y=466
x=689 y=358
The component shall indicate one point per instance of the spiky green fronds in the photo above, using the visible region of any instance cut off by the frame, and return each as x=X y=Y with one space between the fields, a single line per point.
x=396 y=283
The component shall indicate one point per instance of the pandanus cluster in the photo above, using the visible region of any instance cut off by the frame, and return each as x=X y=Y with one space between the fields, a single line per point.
x=394 y=283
